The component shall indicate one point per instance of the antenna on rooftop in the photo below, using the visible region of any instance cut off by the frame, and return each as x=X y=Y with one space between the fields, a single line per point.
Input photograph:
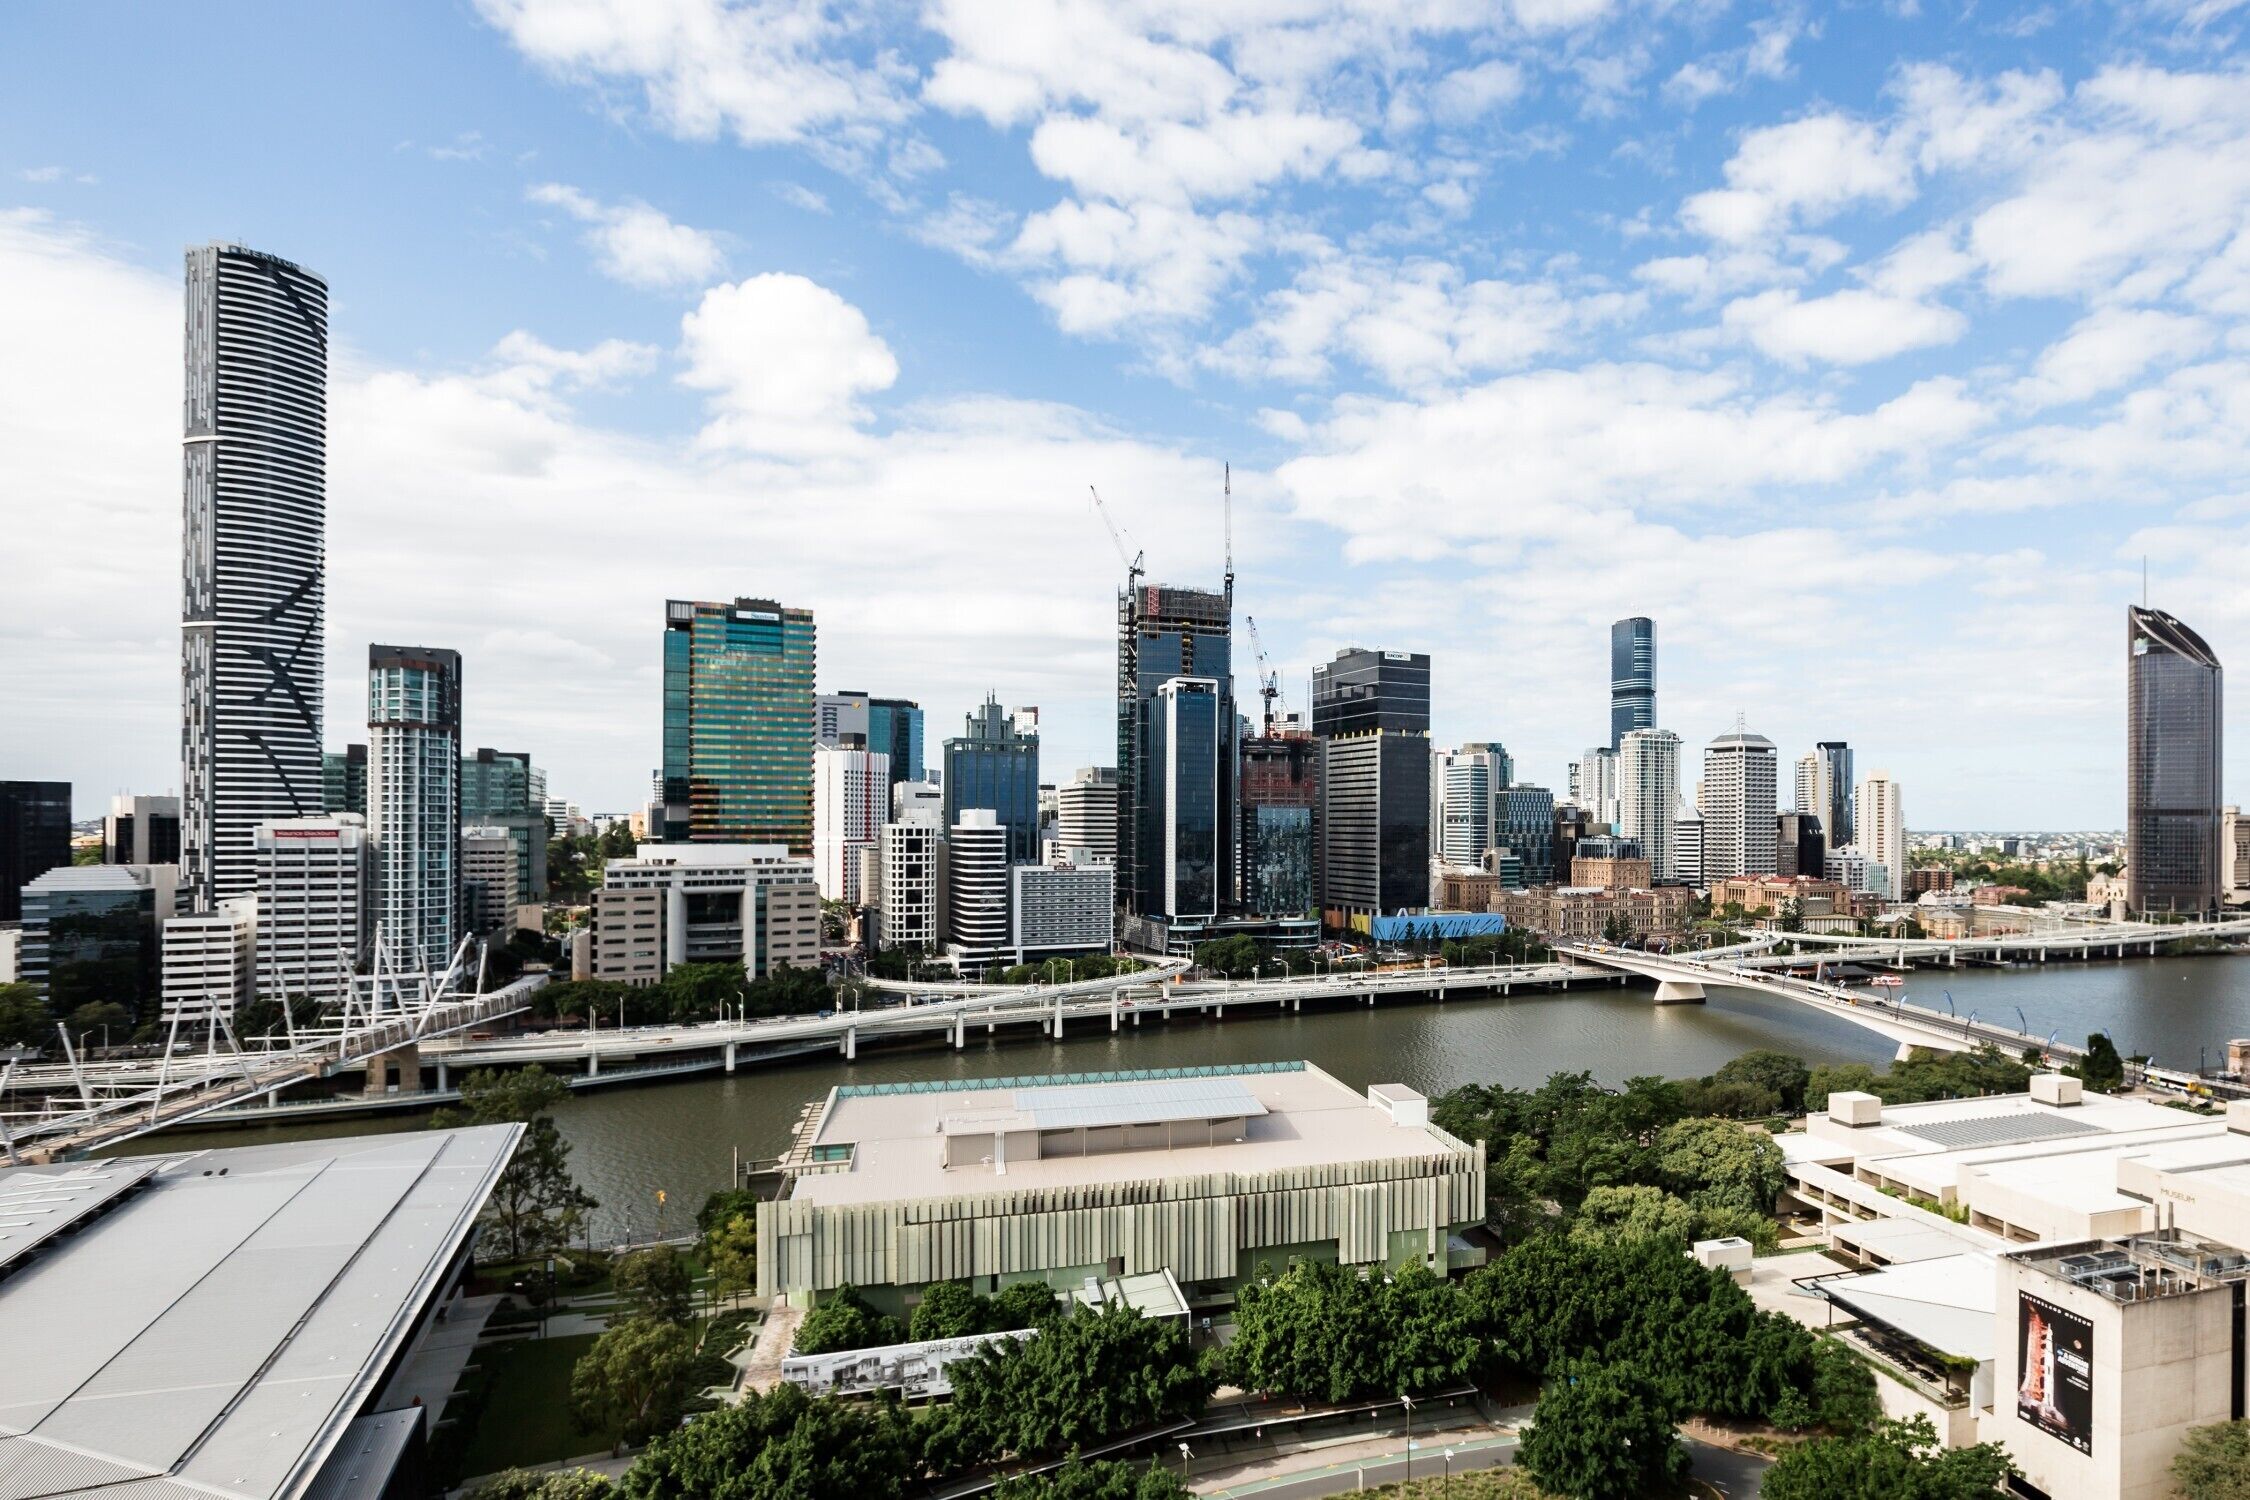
x=1227 y=504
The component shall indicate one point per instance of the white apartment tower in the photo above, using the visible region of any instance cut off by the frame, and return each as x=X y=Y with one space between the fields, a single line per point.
x=1648 y=796
x=1469 y=782
x=1811 y=790
x=1597 y=784
x=205 y=963
x=1737 y=801
x=1879 y=818
x=912 y=911
x=414 y=803
x=851 y=795
x=976 y=886
x=311 y=878
x=1086 y=812
x=253 y=569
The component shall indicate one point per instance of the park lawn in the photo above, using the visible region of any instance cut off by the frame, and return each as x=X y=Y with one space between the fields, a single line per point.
x=527 y=1420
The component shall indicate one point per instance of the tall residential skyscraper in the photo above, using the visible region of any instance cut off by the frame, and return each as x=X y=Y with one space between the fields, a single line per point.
x=1163 y=633
x=1184 y=749
x=1836 y=782
x=1470 y=781
x=994 y=764
x=414 y=793
x=252 y=649
x=851 y=802
x=1737 y=803
x=1632 y=678
x=1371 y=711
x=738 y=723
x=1525 y=824
x=34 y=837
x=1880 y=817
x=1648 y=796
x=2175 y=714
x=311 y=890
x=1596 y=789
x=343 y=780
x=1086 y=812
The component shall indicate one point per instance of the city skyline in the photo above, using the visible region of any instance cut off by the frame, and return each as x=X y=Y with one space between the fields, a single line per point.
x=496 y=383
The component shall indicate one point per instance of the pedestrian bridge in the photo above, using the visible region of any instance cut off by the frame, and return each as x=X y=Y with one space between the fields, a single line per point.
x=1685 y=979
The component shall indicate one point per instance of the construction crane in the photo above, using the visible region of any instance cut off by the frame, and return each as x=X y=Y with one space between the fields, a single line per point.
x=1269 y=681
x=1132 y=564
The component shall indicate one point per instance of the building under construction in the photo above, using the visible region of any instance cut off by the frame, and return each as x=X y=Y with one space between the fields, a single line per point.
x=1177 y=753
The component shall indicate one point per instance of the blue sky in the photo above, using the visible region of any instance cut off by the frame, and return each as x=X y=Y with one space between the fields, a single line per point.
x=1866 y=349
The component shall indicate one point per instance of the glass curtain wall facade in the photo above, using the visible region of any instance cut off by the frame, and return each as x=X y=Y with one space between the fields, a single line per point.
x=1837 y=823
x=894 y=728
x=1632 y=678
x=343 y=780
x=1163 y=633
x=2175 y=711
x=34 y=837
x=254 y=500
x=89 y=937
x=1186 y=749
x=414 y=789
x=738 y=723
x=1280 y=789
x=503 y=789
x=995 y=766
x=1528 y=829
x=1371 y=712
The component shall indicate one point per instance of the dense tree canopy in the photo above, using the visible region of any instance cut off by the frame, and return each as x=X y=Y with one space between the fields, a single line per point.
x=544 y=1484
x=1891 y=1461
x=656 y=1284
x=1780 y=1074
x=781 y=1445
x=24 y=1021
x=634 y=1379
x=1330 y=1333
x=1952 y=1075
x=842 y=1319
x=2214 y=1462
x=1718 y=1164
x=1603 y=1432
x=1092 y=1373
x=1101 y=1479
x=687 y=995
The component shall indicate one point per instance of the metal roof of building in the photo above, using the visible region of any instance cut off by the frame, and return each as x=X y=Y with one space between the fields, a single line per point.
x=1998 y=1129
x=216 y=1333
x=39 y=1203
x=1087 y=1106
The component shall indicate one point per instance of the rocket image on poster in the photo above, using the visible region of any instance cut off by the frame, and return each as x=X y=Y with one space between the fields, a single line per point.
x=2055 y=1371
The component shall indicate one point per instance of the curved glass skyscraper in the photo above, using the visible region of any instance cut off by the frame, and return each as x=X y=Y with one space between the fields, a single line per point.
x=255 y=503
x=2173 y=761
x=1632 y=677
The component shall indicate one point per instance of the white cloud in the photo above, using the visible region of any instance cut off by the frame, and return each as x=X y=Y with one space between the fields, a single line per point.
x=41 y=174
x=1099 y=266
x=637 y=244
x=797 y=195
x=1467 y=94
x=1801 y=172
x=1849 y=327
x=786 y=362
x=2108 y=348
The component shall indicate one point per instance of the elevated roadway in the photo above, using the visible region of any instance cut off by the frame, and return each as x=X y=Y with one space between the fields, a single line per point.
x=2081 y=939
x=1681 y=978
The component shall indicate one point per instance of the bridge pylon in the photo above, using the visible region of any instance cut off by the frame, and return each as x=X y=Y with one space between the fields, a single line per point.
x=1679 y=992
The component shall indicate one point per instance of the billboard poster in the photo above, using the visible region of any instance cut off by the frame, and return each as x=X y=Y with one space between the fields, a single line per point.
x=2055 y=1368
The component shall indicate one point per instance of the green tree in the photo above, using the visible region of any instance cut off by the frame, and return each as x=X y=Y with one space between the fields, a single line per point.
x=536 y=1206
x=1091 y=1374
x=948 y=1310
x=1618 y=928
x=1603 y=1432
x=1844 y=1399
x=634 y=1379
x=1329 y=1333
x=101 y=1017
x=1838 y=1078
x=843 y=1320
x=656 y=1284
x=1778 y=1072
x=731 y=1251
x=1721 y=1164
x=781 y=1445
x=536 y=1484
x=2214 y=1462
x=1026 y=1304
x=1633 y=1213
x=1893 y=1461
x=1098 y=1479
x=2103 y=1070
x=24 y=1021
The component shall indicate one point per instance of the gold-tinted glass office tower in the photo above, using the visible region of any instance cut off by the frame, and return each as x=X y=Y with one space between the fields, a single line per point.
x=2174 y=714
x=739 y=722
x=255 y=500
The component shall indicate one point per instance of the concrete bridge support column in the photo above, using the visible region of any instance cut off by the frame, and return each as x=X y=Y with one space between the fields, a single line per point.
x=851 y=1044
x=442 y=1084
x=730 y=1057
x=408 y=1061
x=1679 y=992
x=960 y=1033
x=1058 y=1019
x=1113 y=1010
x=593 y=1064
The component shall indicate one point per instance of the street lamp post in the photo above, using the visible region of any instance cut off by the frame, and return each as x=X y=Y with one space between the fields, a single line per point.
x=1408 y=1402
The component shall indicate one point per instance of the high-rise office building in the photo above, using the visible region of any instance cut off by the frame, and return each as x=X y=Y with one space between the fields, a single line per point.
x=1880 y=816
x=1371 y=712
x=503 y=789
x=414 y=791
x=669 y=904
x=1525 y=826
x=2234 y=852
x=1062 y=907
x=204 y=964
x=34 y=837
x=977 y=887
x=489 y=894
x=343 y=780
x=739 y=722
x=1469 y=781
x=1280 y=793
x=1184 y=748
x=1833 y=805
x=994 y=765
x=1595 y=787
x=1648 y=797
x=252 y=647
x=90 y=935
x=1687 y=847
x=1086 y=812
x=890 y=726
x=1163 y=633
x=1632 y=678
x=312 y=877
x=141 y=831
x=1738 y=805
x=1572 y=827
x=912 y=910
x=851 y=802
x=2175 y=715
x=1799 y=847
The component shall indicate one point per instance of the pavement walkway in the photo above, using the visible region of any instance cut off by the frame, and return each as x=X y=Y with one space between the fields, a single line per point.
x=1347 y=1467
x=761 y=1363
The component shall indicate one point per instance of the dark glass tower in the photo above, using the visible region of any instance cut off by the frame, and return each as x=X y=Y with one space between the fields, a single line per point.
x=738 y=723
x=34 y=837
x=1371 y=712
x=343 y=780
x=1632 y=677
x=894 y=728
x=1799 y=846
x=995 y=767
x=2173 y=764
x=1837 y=824
x=1184 y=751
x=1163 y=633
x=1280 y=789
x=255 y=499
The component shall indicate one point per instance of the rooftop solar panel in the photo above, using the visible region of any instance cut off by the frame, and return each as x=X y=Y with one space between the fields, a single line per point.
x=1999 y=1130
